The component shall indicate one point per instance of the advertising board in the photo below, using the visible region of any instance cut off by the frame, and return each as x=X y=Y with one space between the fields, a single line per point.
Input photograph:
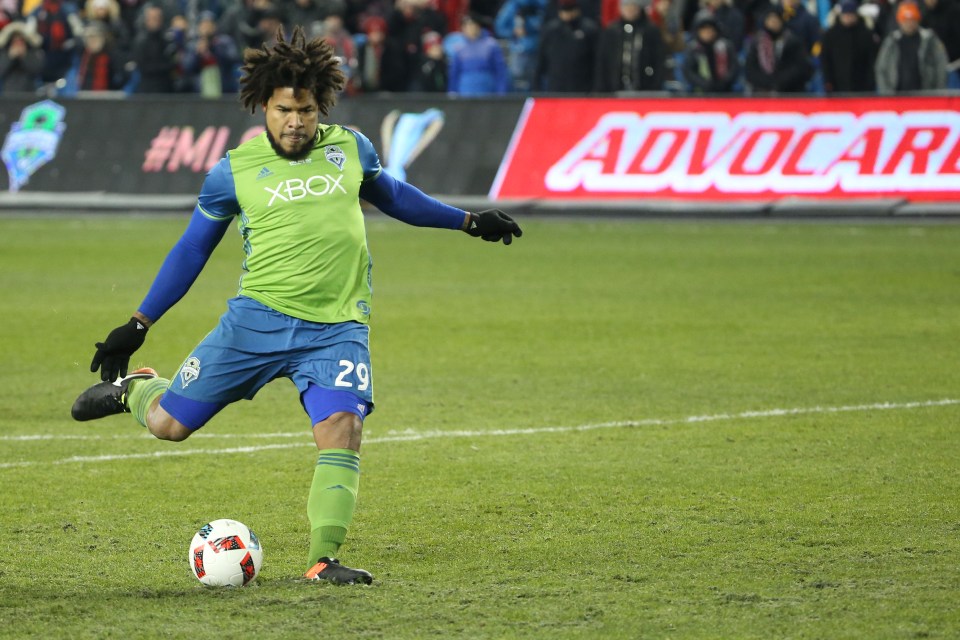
x=743 y=149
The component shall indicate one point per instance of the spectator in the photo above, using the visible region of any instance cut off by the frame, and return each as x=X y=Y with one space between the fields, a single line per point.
x=711 y=64
x=609 y=11
x=21 y=59
x=211 y=61
x=798 y=21
x=566 y=57
x=753 y=12
x=343 y=46
x=306 y=12
x=9 y=12
x=591 y=9
x=154 y=52
x=478 y=67
x=130 y=16
x=730 y=21
x=265 y=29
x=911 y=58
x=357 y=11
x=59 y=26
x=406 y=24
x=943 y=18
x=519 y=23
x=487 y=9
x=432 y=74
x=453 y=11
x=248 y=21
x=777 y=61
x=97 y=67
x=171 y=9
x=848 y=48
x=107 y=14
x=663 y=15
x=631 y=54
x=879 y=16
x=379 y=59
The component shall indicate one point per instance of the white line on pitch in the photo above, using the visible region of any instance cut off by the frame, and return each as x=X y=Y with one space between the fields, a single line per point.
x=410 y=435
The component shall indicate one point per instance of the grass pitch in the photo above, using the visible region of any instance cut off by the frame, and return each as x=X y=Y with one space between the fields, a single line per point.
x=608 y=430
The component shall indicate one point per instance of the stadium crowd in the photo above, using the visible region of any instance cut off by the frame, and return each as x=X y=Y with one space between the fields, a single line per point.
x=491 y=47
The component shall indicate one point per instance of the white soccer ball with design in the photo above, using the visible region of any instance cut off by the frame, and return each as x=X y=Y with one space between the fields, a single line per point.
x=225 y=553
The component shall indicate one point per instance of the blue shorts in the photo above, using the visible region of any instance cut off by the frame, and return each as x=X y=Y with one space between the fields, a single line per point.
x=254 y=344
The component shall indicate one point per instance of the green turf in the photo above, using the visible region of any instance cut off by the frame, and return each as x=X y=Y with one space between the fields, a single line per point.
x=477 y=519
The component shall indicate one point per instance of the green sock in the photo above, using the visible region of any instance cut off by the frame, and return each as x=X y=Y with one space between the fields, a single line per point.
x=142 y=393
x=333 y=496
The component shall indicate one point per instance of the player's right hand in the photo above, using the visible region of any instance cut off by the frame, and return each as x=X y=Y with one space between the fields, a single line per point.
x=493 y=225
x=113 y=354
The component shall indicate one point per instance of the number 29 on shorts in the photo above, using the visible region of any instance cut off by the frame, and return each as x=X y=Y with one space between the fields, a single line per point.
x=361 y=375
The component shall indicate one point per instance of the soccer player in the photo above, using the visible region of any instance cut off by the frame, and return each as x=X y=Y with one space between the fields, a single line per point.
x=304 y=300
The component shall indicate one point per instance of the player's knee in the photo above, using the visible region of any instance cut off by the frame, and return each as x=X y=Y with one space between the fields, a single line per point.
x=341 y=430
x=348 y=424
x=174 y=433
x=163 y=426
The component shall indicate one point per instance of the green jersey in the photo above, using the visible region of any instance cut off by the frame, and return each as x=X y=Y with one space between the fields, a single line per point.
x=301 y=223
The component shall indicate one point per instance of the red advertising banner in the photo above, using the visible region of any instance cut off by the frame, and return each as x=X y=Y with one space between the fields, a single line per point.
x=737 y=149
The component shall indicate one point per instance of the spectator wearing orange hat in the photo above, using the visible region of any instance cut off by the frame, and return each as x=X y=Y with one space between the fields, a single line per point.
x=911 y=58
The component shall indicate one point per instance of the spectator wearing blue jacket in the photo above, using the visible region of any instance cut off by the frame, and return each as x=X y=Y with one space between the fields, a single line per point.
x=477 y=67
x=518 y=23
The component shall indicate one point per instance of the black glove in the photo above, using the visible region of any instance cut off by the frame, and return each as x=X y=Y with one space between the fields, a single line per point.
x=113 y=354
x=493 y=225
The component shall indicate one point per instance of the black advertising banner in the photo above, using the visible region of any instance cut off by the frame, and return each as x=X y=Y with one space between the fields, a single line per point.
x=165 y=145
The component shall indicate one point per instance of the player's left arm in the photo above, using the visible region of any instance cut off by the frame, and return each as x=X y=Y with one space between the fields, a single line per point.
x=407 y=203
x=215 y=208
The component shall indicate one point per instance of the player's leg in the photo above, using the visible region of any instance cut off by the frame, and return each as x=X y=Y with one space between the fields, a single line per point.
x=336 y=478
x=164 y=426
x=335 y=384
x=336 y=481
x=109 y=398
x=145 y=405
x=225 y=367
x=140 y=393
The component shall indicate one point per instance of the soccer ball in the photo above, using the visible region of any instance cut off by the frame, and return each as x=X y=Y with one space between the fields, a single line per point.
x=225 y=553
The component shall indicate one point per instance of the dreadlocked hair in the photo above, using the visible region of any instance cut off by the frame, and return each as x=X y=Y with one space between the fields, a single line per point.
x=311 y=66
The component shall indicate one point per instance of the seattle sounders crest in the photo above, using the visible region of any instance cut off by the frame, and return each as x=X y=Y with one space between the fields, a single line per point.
x=335 y=155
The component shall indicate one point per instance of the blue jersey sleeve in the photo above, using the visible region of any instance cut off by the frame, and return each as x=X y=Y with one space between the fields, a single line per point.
x=183 y=264
x=399 y=199
x=218 y=195
x=216 y=206
x=369 y=159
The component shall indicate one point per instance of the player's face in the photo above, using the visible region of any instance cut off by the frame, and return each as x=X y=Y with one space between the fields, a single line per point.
x=292 y=119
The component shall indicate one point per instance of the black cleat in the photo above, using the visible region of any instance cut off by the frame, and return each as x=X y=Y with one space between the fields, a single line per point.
x=331 y=570
x=107 y=398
